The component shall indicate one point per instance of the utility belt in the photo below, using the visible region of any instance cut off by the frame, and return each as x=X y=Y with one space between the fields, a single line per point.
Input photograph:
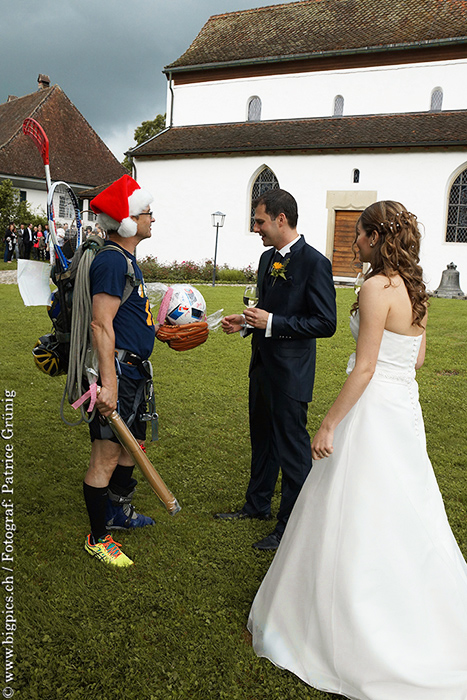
x=130 y=358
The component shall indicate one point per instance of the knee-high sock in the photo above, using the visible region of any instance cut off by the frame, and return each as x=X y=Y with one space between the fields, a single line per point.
x=96 y=499
x=122 y=476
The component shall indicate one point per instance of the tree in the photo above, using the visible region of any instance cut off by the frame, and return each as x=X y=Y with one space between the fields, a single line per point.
x=14 y=211
x=145 y=131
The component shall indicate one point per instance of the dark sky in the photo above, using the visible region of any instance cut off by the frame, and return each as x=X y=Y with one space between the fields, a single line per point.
x=106 y=55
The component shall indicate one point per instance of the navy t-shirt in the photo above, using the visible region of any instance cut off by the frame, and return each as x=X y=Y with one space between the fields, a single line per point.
x=133 y=324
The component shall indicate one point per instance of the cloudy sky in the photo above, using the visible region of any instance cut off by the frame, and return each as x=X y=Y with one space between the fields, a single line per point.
x=106 y=55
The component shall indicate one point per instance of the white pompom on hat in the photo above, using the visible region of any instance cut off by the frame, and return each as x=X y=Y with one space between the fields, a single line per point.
x=120 y=201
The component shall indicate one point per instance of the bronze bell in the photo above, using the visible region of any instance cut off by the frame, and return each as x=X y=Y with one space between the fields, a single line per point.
x=449 y=287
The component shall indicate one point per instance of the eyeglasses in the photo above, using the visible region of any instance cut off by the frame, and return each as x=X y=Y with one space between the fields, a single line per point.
x=147 y=213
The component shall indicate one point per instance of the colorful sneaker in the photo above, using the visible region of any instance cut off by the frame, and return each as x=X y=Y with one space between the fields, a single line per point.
x=124 y=517
x=107 y=551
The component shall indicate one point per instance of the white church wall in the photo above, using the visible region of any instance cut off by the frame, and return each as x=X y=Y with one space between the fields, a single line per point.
x=376 y=90
x=188 y=191
x=37 y=200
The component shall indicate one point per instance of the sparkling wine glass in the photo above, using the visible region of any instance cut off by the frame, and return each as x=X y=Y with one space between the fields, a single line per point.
x=250 y=296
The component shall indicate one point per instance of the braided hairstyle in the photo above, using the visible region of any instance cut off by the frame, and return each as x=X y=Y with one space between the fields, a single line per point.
x=397 y=251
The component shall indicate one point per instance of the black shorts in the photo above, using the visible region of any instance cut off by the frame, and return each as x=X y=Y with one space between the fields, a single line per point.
x=131 y=406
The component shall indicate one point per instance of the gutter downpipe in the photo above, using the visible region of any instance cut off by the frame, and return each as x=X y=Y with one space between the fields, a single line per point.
x=172 y=97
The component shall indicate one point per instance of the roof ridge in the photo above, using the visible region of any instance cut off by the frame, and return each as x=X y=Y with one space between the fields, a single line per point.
x=19 y=131
x=249 y=10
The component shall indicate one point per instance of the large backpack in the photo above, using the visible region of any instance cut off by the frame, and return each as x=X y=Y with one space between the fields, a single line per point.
x=67 y=349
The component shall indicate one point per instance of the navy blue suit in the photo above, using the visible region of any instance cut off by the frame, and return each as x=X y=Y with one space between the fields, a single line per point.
x=282 y=371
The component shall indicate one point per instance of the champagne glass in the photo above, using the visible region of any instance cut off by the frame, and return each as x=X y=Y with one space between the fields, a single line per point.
x=250 y=296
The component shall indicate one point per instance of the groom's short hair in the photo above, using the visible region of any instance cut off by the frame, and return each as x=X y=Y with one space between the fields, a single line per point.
x=279 y=202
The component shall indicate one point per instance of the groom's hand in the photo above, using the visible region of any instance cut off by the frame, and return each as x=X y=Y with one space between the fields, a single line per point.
x=258 y=318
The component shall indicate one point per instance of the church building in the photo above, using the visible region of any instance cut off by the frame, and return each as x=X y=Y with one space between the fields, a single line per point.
x=340 y=102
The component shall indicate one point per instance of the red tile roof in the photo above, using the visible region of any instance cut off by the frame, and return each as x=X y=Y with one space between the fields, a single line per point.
x=77 y=154
x=413 y=130
x=313 y=27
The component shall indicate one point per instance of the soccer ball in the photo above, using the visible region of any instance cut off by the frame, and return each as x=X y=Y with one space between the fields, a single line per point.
x=186 y=305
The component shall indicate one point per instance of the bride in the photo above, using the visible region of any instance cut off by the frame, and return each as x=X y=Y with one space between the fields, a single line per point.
x=367 y=594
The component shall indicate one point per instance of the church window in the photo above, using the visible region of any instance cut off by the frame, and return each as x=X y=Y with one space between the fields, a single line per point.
x=338 y=106
x=265 y=181
x=456 y=231
x=254 y=109
x=436 y=100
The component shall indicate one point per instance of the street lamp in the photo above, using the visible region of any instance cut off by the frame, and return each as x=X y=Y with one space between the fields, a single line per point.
x=217 y=220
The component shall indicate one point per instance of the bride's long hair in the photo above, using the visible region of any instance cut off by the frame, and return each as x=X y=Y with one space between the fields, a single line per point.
x=397 y=251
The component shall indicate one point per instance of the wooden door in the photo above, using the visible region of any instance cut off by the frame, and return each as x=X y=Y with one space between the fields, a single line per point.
x=344 y=263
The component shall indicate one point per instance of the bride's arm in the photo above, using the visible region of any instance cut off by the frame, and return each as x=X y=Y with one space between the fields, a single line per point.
x=373 y=310
x=421 y=352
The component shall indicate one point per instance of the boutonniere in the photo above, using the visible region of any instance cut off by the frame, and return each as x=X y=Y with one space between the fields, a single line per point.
x=278 y=269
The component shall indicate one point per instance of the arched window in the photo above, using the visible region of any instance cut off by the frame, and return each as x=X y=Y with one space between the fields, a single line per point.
x=338 y=106
x=436 y=100
x=254 y=109
x=356 y=175
x=265 y=181
x=456 y=231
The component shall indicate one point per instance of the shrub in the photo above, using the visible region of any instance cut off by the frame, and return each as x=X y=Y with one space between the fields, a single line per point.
x=225 y=274
x=190 y=271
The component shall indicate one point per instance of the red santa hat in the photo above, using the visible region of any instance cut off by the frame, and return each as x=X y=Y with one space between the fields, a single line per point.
x=120 y=201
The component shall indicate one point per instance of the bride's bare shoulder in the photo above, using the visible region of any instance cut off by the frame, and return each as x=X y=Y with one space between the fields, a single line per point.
x=379 y=283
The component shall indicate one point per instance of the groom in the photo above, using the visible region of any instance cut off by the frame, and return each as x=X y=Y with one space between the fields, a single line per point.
x=297 y=304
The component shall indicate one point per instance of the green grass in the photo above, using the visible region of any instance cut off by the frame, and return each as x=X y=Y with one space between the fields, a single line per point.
x=8 y=266
x=173 y=626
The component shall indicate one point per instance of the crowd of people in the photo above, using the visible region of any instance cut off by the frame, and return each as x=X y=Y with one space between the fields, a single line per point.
x=32 y=242
x=26 y=242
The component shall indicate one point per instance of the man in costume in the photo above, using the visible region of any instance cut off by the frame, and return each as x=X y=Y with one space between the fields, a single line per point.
x=123 y=335
x=296 y=305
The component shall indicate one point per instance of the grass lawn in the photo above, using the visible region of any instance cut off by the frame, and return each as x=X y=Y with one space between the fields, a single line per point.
x=173 y=626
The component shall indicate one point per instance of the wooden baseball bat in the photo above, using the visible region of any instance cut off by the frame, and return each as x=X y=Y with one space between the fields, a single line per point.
x=131 y=445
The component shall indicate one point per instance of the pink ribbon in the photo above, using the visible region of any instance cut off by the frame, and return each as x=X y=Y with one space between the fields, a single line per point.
x=90 y=394
x=164 y=307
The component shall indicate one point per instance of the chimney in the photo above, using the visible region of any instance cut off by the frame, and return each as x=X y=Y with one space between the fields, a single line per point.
x=11 y=98
x=43 y=81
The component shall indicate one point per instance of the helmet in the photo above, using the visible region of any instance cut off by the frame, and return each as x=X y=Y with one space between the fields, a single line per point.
x=186 y=305
x=47 y=356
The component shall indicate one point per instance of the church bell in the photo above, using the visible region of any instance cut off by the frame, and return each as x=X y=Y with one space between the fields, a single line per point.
x=449 y=287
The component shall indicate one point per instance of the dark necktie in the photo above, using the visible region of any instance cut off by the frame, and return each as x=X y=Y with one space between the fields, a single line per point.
x=276 y=258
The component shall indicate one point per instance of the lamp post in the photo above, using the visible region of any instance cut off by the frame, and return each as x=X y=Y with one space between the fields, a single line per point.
x=217 y=220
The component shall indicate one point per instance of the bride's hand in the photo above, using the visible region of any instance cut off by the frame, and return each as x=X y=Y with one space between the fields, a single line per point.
x=322 y=443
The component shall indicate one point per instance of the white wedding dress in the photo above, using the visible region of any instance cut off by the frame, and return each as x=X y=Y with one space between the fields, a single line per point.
x=367 y=594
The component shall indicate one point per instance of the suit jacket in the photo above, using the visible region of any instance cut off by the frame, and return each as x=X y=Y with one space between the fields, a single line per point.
x=304 y=308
